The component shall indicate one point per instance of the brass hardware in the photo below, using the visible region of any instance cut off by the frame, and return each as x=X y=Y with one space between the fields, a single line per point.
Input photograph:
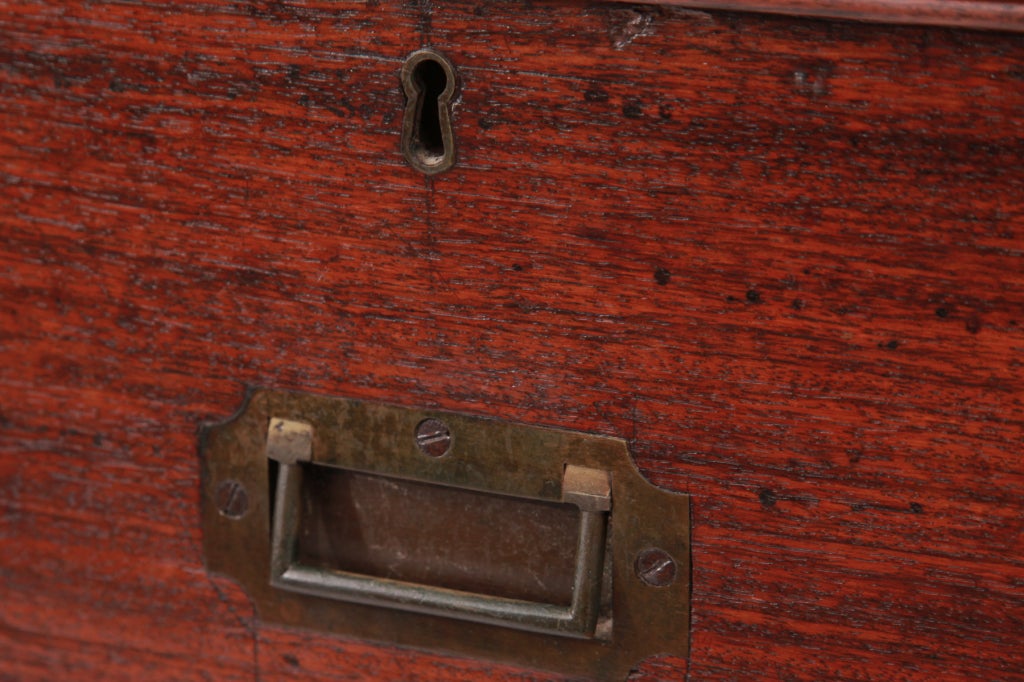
x=428 y=80
x=568 y=560
x=655 y=567
x=433 y=437
x=589 y=489
x=579 y=618
x=289 y=442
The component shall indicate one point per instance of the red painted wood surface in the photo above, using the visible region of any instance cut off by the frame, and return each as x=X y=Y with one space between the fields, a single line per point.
x=983 y=14
x=782 y=257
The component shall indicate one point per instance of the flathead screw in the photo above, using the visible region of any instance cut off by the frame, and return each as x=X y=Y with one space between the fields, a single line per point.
x=232 y=499
x=655 y=567
x=433 y=437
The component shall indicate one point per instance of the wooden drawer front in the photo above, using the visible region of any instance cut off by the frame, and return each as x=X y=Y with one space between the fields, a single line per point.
x=781 y=256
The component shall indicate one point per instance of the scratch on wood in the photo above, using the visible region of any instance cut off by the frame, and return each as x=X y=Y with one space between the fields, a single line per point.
x=626 y=25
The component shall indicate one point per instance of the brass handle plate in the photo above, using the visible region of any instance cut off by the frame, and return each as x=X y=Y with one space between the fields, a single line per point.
x=327 y=482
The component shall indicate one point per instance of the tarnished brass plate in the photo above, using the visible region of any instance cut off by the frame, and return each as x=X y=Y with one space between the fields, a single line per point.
x=632 y=554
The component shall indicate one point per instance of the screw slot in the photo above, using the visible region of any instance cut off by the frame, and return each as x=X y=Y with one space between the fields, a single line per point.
x=232 y=499
x=433 y=437
x=655 y=567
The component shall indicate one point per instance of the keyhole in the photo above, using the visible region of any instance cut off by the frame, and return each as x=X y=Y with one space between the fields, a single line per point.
x=429 y=83
x=431 y=80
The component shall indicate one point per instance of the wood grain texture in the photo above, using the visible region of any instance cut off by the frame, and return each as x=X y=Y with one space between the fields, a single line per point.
x=980 y=14
x=782 y=257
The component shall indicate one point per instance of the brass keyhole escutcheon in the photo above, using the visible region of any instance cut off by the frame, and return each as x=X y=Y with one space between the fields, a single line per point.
x=428 y=80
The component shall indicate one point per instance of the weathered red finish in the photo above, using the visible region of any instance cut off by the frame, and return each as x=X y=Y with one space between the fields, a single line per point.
x=783 y=257
x=984 y=14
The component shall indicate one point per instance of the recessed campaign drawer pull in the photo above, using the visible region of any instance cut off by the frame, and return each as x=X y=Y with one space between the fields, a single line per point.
x=533 y=546
x=589 y=489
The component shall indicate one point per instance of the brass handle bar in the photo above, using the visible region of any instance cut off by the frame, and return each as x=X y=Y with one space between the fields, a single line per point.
x=588 y=489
